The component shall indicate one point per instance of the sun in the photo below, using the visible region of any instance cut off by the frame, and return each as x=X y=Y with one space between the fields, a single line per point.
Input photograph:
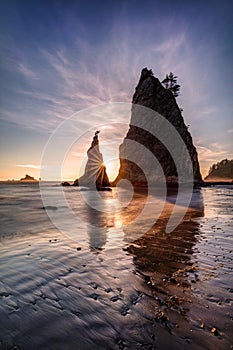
x=112 y=167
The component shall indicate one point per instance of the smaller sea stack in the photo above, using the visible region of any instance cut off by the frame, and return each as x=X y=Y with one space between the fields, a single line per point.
x=95 y=175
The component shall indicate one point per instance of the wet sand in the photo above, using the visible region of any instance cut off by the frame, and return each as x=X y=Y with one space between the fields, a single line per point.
x=158 y=291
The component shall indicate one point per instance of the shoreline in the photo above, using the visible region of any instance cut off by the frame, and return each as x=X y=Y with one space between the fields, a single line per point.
x=137 y=187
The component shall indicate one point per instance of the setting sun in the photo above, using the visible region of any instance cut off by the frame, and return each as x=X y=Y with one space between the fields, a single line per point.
x=112 y=167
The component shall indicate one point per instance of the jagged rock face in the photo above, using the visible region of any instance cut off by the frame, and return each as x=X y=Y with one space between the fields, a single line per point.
x=151 y=94
x=95 y=175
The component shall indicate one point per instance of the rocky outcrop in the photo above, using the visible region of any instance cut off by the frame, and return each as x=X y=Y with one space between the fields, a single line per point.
x=95 y=175
x=221 y=171
x=151 y=94
x=65 y=183
x=28 y=178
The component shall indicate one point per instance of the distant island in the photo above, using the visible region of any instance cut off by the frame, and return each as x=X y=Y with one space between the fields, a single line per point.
x=26 y=179
x=221 y=171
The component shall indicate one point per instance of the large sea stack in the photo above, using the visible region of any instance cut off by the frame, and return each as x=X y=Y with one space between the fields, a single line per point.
x=95 y=175
x=150 y=93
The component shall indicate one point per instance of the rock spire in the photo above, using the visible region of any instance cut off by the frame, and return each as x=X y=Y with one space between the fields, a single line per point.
x=95 y=175
x=151 y=94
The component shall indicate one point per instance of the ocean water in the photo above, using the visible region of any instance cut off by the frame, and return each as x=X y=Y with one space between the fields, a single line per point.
x=96 y=277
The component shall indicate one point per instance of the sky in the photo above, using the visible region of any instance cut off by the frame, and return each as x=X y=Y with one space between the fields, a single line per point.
x=59 y=58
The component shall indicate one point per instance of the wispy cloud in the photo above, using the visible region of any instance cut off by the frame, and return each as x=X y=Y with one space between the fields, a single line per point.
x=211 y=154
x=209 y=110
x=78 y=154
x=170 y=45
x=26 y=71
x=68 y=79
x=30 y=166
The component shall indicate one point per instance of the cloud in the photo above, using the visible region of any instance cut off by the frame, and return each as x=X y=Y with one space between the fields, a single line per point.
x=26 y=71
x=211 y=154
x=78 y=154
x=214 y=153
x=171 y=45
x=30 y=166
x=209 y=110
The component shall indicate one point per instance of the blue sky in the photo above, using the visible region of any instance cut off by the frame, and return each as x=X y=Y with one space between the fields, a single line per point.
x=59 y=57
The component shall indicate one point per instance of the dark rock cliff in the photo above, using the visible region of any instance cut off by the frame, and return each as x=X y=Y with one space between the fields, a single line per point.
x=151 y=94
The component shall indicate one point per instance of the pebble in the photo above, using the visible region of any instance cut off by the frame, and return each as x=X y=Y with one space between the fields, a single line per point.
x=125 y=310
x=191 y=269
x=94 y=296
x=93 y=285
x=121 y=344
x=161 y=316
x=114 y=298
x=214 y=331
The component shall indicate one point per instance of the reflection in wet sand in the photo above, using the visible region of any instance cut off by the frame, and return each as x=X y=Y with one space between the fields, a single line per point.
x=97 y=228
x=164 y=260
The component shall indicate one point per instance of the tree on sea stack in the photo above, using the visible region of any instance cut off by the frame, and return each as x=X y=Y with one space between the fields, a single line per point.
x=170 y=83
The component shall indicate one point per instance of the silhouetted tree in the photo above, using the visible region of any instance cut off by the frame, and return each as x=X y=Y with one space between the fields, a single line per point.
x=170 y=83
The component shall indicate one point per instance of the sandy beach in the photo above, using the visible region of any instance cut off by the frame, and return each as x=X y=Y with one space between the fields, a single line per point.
x=112 y=291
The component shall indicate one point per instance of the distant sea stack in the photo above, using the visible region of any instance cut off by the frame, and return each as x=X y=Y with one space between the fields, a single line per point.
x=221 y=171
x=28 y=178
x=151 y=94
x=95 y=175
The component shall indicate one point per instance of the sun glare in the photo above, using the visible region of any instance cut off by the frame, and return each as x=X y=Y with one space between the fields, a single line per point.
x=112 y=167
